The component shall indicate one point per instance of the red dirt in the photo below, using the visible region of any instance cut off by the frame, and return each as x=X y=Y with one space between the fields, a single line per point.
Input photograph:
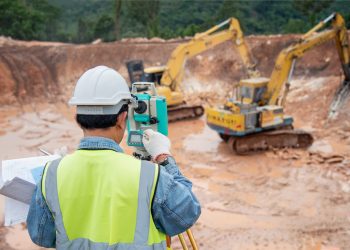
x=45 y=71
x=287 y=199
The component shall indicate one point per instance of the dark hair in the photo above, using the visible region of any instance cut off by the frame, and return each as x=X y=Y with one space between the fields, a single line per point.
x=99 y=121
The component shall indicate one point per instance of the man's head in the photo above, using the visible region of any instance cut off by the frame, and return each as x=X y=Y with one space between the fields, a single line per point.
x=102 y=96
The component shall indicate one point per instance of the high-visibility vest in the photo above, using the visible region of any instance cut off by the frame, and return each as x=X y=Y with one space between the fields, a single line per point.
x=101 y=199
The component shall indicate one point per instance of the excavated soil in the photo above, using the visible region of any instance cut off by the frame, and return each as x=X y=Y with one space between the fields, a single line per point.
x=282 y=199
x=32 y=71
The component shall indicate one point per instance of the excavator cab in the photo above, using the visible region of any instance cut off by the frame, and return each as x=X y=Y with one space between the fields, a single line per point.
x=136 y=71
x=154 y=74
x=251 y=91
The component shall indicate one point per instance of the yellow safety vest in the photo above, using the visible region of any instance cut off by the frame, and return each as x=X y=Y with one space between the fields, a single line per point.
x=101 y=199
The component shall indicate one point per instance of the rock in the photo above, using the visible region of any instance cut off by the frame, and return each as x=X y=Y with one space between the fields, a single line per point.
x=345 y=187
x=317 y=158
x=335 y=159
x=260 y=180
x=157 y=39
x=322 y=147
x=97 y=41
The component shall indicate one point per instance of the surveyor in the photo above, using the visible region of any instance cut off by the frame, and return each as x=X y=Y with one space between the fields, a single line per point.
x=100 y=198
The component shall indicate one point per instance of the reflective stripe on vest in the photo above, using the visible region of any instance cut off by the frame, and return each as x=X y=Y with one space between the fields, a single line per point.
x=141 y=235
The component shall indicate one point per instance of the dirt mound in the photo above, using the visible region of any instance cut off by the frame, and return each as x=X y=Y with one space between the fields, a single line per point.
x=28 y=73
x=46 y=71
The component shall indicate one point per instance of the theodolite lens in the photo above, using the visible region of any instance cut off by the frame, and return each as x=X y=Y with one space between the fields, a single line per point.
x=141 y=108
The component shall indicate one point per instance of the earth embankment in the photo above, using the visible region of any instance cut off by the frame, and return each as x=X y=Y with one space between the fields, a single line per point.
x=45 y=71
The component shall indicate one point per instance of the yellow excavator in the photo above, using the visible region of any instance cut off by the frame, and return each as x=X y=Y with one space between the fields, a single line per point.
x=169 y=78
x=255 y=119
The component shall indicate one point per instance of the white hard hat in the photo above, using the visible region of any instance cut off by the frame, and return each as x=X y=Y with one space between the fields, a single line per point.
x=100 y=91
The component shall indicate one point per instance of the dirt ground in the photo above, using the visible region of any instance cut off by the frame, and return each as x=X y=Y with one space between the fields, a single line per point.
x=289 y=199
x=286 y=199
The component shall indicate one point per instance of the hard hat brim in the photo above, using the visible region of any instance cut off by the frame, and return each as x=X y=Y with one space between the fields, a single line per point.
x=101 y=109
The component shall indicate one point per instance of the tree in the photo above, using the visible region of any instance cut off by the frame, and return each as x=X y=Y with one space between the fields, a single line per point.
x=311 y=8
x=16 y=21
x=347 y=20
x=118 y=8
x=49 y=15
x=228 y=9
x=85 y=33
x=31 y=19
x=104 y=28
x=146 y=13
x=294 y=26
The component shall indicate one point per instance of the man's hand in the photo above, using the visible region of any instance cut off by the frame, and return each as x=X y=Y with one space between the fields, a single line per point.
x=156 y=144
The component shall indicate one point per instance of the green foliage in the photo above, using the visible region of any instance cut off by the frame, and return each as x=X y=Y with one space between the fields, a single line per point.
x=190 y=30
x=48 y=15
x=18 y=21
x=82 y=21
x=229 y=9
x=311 y=8
x=294 y=26
x=146 y=13
x=347 y=19
x=104 y=28
x=31 y=19
x=85 y=33
x=118 y=14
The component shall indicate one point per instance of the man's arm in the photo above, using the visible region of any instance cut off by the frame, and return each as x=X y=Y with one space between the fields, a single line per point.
x=175 y=208
x=40 y=223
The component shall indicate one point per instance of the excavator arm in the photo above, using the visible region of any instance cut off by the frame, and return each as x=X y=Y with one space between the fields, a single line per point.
x=285 y=62
x=172 y=76
x=256 y=120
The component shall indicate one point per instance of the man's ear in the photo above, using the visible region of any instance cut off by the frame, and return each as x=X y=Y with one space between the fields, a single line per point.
x=121 y=120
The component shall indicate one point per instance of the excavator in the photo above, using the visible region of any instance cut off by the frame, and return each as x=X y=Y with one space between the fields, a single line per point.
x=169 y=78
x=255 y=119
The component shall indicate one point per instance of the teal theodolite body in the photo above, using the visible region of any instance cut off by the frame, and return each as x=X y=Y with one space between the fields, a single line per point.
x=150 y=112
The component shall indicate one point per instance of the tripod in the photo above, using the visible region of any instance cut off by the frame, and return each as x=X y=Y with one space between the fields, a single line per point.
x=183 y=241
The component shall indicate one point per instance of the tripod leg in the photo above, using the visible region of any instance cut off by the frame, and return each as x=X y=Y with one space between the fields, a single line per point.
x=192 y=240
x=183 y=242
x=168 y=242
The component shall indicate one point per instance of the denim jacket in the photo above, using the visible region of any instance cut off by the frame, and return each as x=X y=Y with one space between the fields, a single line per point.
x=174 y=209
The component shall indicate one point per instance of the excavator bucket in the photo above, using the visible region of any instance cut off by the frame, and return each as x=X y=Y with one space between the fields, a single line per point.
x=339 y=99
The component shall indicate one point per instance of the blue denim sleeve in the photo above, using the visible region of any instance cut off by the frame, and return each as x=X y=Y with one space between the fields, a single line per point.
x=40 y=223
x=175 y=208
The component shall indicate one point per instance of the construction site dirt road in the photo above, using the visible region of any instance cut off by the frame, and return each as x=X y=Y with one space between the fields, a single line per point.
x=285 y=199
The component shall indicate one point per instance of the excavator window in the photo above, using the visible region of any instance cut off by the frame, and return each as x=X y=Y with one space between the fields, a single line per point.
x=246 y=92
x=258 y=94
x=251 y=94
x=135 y=70
x=154 y=77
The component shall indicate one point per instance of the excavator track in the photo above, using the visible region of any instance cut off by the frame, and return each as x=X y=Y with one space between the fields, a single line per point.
x=184 y=112
x=284 y=138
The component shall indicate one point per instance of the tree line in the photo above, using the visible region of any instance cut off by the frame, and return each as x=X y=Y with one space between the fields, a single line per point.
x=82 y=21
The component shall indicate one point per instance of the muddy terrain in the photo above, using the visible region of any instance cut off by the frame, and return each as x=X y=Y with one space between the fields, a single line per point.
x=282 y=199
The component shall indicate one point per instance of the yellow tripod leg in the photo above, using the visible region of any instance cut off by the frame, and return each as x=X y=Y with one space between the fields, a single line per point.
x=183 y=242
x=192 y=240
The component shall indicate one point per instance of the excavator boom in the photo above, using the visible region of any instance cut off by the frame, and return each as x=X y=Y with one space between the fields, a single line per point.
x=172 y=76
x=256 y=120
x=169 y=78
x=284 y=65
